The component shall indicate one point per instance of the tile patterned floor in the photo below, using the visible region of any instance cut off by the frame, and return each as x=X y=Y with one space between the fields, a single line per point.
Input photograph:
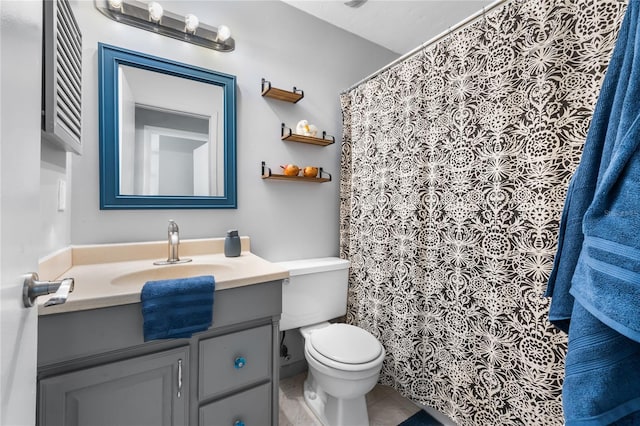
x=386 y=406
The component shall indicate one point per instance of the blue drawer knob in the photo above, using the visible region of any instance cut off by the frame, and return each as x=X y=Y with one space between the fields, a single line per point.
x=239 y=362
x=238 y=423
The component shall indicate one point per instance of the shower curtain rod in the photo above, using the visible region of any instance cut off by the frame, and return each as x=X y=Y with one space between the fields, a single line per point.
x=440 y=36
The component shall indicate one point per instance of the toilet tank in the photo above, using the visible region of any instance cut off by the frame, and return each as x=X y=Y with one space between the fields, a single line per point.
x=316 y=291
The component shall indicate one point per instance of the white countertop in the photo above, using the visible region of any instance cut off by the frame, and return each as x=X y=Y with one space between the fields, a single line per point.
x=113 y=274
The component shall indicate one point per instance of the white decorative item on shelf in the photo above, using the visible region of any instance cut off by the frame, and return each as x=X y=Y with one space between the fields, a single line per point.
x=301 y=127
x=304 y=128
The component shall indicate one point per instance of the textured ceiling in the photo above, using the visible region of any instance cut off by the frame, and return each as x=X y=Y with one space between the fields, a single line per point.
x=398 y=25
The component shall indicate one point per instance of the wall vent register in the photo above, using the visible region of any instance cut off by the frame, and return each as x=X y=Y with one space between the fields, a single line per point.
x=62 y=77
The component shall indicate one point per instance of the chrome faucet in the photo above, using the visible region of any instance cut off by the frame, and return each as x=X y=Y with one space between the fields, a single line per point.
x=174 y=242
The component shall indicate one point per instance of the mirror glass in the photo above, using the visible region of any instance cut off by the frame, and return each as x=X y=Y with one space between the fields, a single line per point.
x=170 y=141
x=167 y=133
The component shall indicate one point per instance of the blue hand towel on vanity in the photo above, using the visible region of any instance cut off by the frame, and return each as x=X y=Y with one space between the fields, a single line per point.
x=177 y=308
x=595 y=282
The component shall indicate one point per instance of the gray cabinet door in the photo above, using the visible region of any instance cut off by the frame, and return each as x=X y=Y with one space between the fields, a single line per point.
x=140 y=391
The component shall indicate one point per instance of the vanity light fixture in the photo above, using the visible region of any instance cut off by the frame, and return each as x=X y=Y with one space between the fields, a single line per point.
x=152 y=17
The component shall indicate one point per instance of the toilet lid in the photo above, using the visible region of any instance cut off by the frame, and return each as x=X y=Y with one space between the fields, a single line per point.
x=346 y=344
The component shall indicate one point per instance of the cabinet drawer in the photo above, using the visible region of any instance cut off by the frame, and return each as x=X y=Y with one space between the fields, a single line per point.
x=234 y=360
x=251 y=407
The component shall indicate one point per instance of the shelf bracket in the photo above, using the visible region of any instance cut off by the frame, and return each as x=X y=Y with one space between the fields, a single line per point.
x=332 y=138
x=266 y=171
x=266 y=85
x=321 y=171
x=283 y=132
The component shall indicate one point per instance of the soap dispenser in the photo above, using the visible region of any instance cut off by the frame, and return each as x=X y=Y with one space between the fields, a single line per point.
x=232 y=243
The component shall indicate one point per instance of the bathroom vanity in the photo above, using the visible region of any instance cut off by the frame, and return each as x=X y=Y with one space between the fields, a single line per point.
x=95 y=368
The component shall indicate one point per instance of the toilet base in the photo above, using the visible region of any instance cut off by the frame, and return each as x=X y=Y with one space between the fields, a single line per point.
x=332 y=411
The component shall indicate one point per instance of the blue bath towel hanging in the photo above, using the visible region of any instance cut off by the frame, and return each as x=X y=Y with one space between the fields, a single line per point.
x=177 y=308
x=595 y=282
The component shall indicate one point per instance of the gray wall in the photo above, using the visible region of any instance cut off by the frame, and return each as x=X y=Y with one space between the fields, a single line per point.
x=285 y=220
x=55 y=225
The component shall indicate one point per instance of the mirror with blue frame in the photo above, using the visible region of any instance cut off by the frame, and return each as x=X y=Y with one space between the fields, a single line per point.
x=167 y=133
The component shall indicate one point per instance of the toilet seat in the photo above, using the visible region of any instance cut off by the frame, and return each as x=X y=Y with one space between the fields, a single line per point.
x=345 y=347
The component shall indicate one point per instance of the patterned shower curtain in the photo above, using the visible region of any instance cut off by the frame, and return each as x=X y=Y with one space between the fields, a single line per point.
x=455 y=164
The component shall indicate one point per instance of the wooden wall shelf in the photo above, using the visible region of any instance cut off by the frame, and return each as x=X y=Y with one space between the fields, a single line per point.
x=266 y=174
x=286 y=134
x=283 y=95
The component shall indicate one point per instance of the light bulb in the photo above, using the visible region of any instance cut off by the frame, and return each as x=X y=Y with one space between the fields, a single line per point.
x=116 y=4
x=155 y=11
x=191 y=23
x=223 y=33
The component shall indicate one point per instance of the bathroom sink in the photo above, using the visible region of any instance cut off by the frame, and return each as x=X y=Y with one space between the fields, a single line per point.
x=166 y=272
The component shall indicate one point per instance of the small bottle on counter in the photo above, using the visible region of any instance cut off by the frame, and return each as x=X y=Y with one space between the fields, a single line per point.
x=232 y=243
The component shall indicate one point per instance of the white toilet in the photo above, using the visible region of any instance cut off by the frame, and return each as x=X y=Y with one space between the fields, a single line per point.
x=344 y=360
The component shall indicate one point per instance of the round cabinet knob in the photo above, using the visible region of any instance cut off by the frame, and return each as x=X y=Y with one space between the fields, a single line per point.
x=238 y=423
x=239 y=362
